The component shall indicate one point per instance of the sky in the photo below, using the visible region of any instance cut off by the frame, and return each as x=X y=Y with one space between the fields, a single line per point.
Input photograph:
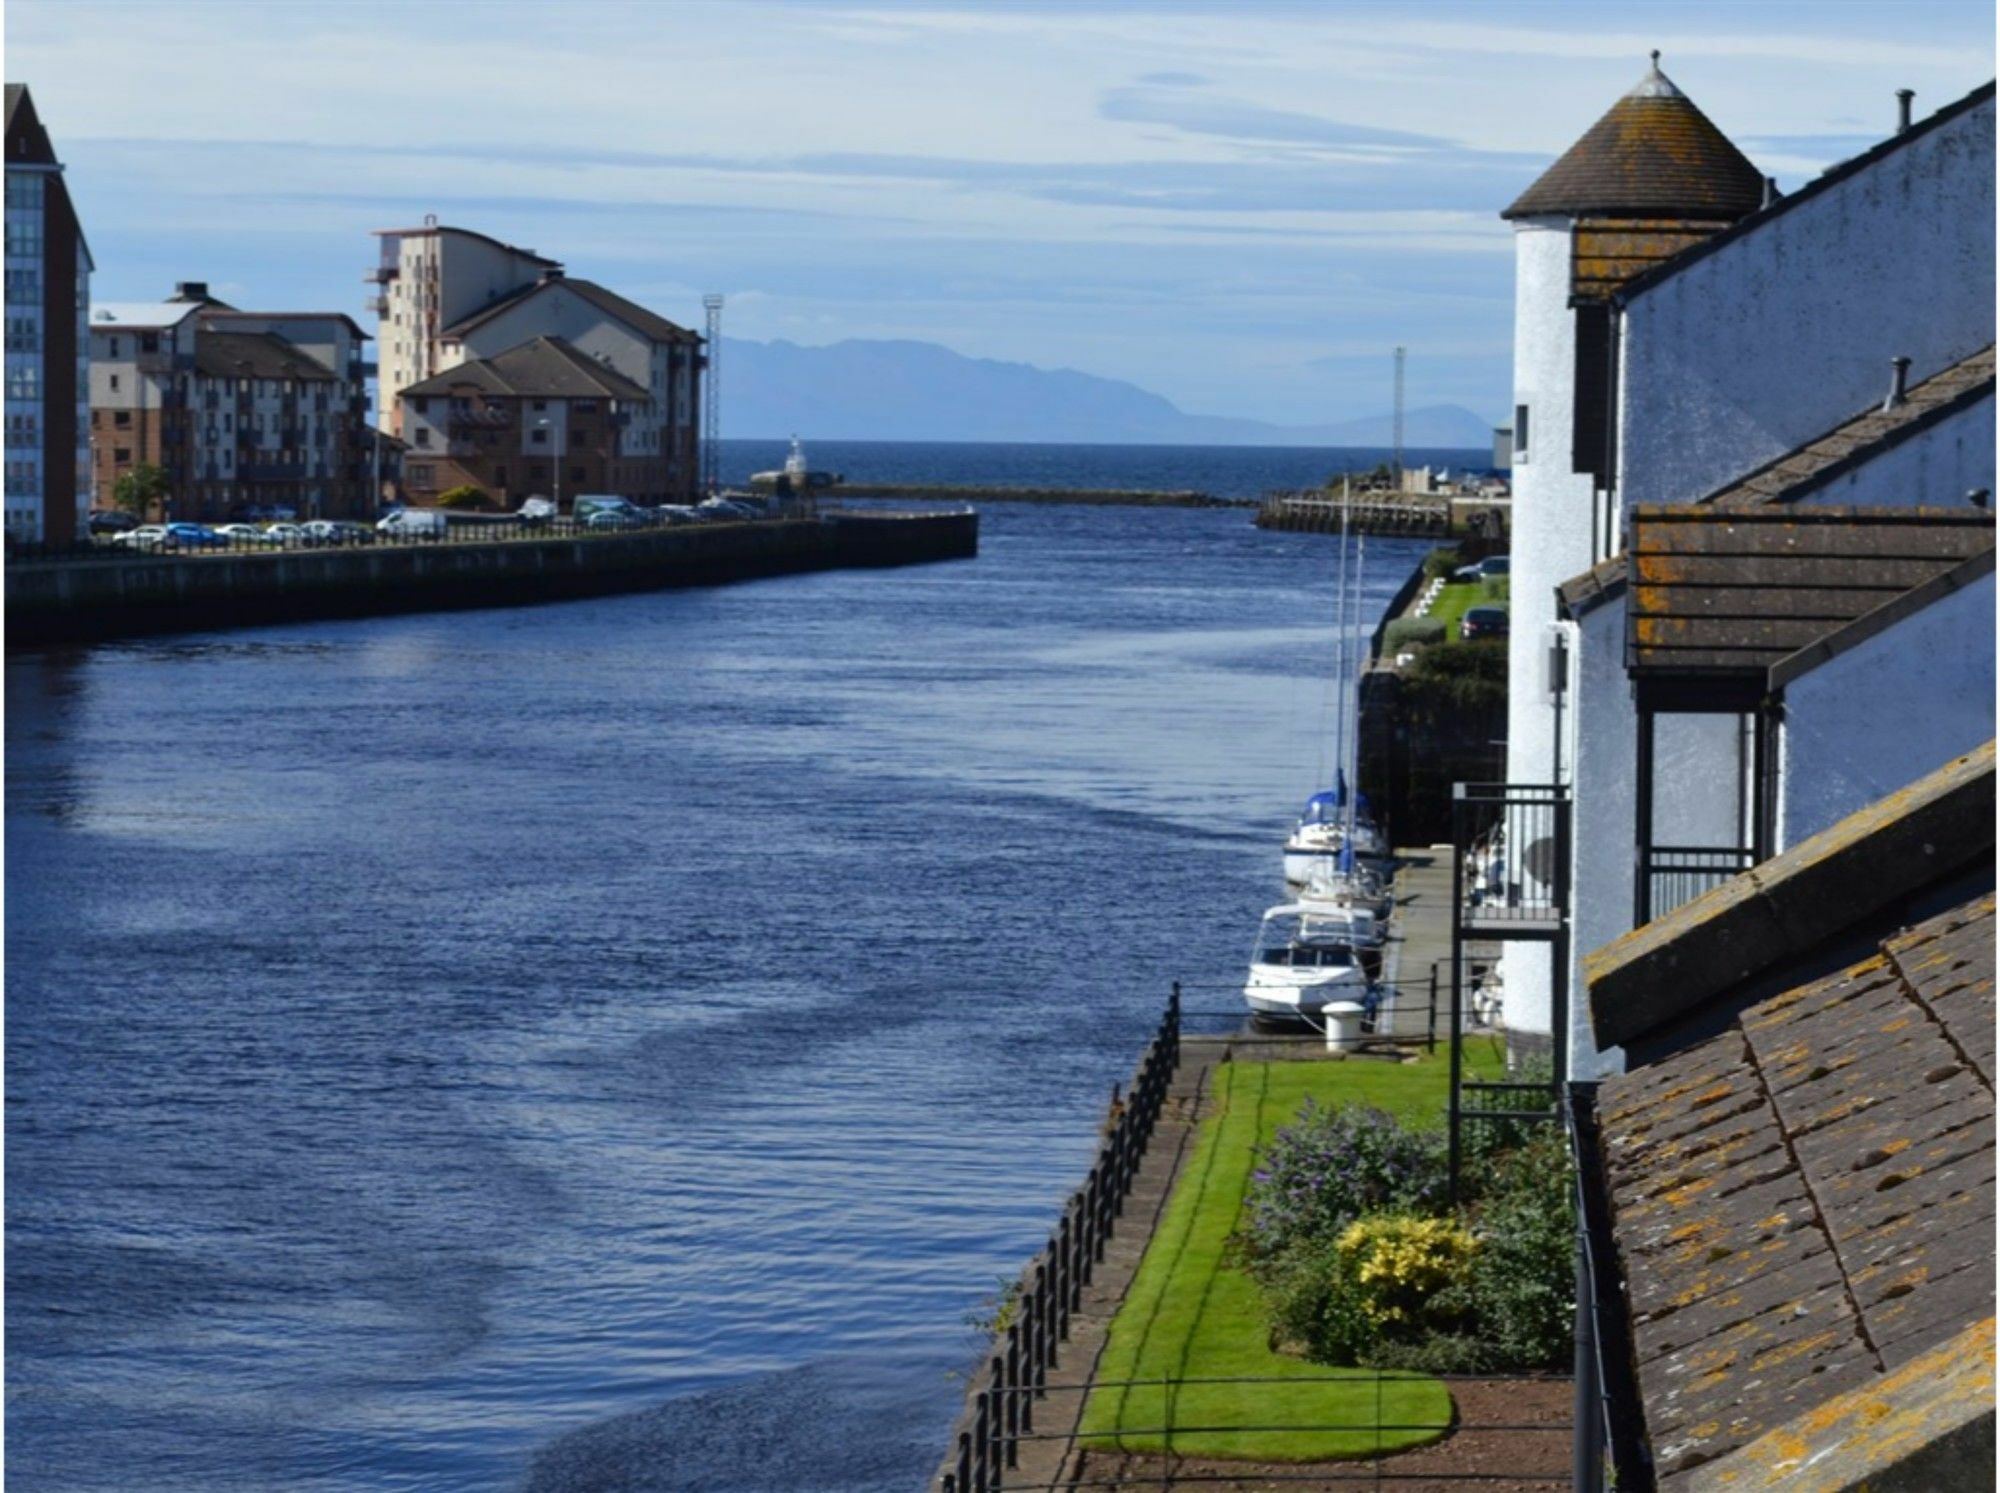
x=1244 y=207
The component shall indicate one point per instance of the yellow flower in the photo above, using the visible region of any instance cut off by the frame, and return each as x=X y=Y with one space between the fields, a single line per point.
x=1401 y=1262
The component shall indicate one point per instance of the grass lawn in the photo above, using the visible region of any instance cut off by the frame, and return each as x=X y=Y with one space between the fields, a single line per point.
x=1191 y=1315
x=1453 y=602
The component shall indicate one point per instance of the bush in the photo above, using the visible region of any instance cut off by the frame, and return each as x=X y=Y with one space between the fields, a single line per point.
x=465 y=495
x=1522 y=1287
x=1440 y=563
x=1472 y=676
x=1316 y=1304
x=1406 y=633
x=1493 y=588
x=1330 y=1167
x=1404 y=1265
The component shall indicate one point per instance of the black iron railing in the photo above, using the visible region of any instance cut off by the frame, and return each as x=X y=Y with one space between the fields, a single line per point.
x=1002 y=1415
x=1671 y=876
x=1512 y=843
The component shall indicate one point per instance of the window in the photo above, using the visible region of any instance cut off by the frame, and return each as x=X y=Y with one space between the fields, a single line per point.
x=120 y=417
x=499 y=476
x=540 y=437
x=421 y=405
x=423 y=435
x=114 y=383
x=121 y=454
x=420 y=474
x=1520 y=432
x=149 y=342
x=114 y=347
x=541 y=405
x=585 y=406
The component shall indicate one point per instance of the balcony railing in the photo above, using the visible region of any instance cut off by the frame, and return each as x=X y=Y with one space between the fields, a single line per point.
x=1513 y=846
x=1671 y=876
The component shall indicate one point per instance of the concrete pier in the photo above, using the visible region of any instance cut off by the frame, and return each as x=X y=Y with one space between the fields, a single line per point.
x=90 y=599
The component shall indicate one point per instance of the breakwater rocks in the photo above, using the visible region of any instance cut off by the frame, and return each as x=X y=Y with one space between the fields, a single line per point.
x=90 y=599
x=1105 y=496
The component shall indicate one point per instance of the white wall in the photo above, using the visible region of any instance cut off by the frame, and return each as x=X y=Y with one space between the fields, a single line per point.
x=1937 y=467
x=1880 y=716
x=1782 y=334
x=1550 y=543
x=1605 y=729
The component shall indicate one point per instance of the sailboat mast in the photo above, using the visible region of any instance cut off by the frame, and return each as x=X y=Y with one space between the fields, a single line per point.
x=1339 y=643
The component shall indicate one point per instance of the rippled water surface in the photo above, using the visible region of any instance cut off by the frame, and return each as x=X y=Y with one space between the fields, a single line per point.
x=612 y=1045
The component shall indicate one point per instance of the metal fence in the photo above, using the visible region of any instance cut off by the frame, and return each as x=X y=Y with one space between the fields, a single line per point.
x=461 y=529
x=1161 y=1464
x=1002 y=1414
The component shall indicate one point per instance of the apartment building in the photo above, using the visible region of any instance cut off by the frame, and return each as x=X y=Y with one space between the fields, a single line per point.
x=239 y=408
x=451 y=298
x=48 y=299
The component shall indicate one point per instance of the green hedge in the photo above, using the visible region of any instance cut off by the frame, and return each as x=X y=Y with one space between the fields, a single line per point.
x=1412 y=632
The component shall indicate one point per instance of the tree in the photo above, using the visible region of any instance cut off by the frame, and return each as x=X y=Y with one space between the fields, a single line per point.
x=139 y=489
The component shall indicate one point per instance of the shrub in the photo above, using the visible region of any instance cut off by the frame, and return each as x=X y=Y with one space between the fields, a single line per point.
x=1440 y=563
x=1493 y=588
x=1316 y=1303
x=1331 y=1166
x=1402 y=1264
x=465 y=495
x=1522 y=1287
x=1445 y=682
x=1412 y=632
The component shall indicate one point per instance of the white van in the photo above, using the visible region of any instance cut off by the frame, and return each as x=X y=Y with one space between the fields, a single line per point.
x=413 y=523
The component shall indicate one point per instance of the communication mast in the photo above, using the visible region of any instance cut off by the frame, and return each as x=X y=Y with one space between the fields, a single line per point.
x=711 y=399
x=1396 y=460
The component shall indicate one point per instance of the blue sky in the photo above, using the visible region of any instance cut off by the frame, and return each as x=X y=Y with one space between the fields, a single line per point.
x=1243 y=207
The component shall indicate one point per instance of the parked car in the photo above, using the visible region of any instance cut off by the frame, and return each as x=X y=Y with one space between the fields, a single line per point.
x=291 y=536
x=324 y=533
x=537 y=511
x=589 y=505
x=188 y=536
x=724 y=510
x=413 y=524
x=675 y=513
x=1483 y=622
x=1494 y=565
x=241 y=534
x=111 y=521
x=611 y=518
x=145 y=537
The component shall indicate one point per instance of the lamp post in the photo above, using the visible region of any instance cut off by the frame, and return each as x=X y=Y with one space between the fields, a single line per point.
x=555 y=457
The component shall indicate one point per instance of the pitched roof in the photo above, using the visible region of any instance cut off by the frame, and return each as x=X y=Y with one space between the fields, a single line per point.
x=609 y=301
x=1586 y=592
x=1733 y=591
x=215 y=312
x=1653 y=154
x=254 y=355
x=1803 y=1203
x=148 y=315
x=430 y=228
x=1825 y=181
x=540 y=368
x=28 y=141
x=1855 y=442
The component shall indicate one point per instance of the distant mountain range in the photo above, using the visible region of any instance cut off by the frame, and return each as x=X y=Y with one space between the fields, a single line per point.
x=920 y=391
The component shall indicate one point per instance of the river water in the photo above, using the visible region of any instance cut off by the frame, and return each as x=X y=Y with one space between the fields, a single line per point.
x=614 y=1045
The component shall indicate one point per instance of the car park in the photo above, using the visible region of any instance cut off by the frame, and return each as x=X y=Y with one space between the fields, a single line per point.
x=1483 y=622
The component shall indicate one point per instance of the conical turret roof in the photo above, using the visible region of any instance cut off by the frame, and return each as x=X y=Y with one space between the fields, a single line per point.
x=1654 y=154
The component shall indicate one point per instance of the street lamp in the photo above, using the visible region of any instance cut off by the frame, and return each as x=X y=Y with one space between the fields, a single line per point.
x=555 y=457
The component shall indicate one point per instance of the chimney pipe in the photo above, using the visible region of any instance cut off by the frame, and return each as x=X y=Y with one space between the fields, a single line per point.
x=1771 y=192
x=1899 y=378
x=1903 y=97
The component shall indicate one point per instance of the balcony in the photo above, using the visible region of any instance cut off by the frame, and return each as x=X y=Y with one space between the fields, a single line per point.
x=492 y=417
x=1512 y=848
x=379 y=304
x=271 y=471
x=1671 y=876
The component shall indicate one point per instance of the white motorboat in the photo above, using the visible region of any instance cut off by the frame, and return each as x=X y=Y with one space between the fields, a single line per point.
x=1305 y=961
x=1357 y=886
x=1314 y=849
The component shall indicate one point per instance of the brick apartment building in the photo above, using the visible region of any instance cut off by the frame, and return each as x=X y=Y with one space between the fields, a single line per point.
x=516 y=332
x=48 y=297
x=238 y=408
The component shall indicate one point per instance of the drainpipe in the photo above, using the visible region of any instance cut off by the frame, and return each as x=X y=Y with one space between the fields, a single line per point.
x=1903 y=97
x=1899 y=378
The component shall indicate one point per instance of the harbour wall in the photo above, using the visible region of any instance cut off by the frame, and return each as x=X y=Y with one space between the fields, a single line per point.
x=1098 y=496
x=91 y=599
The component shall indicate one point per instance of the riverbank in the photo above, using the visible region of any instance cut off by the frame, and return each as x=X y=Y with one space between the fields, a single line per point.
x=92 y=600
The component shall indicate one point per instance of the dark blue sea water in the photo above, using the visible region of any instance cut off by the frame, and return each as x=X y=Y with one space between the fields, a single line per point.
x=614 y=1045
x=1220 y=471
